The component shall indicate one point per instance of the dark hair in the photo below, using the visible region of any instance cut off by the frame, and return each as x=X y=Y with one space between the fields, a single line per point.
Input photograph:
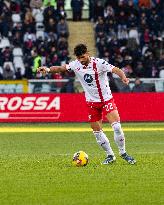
x=80 y=49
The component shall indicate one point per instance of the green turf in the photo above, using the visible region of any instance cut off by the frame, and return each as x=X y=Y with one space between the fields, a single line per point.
x=35 y=169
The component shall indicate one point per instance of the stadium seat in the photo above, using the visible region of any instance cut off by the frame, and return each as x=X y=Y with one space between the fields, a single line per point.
x=2 y=86
x=18 y=63
x=35 y=11
x=19 y=88
x=31 y=88
x=10 y=63
x=16 y=18
x=39 y=26
x=40 y=34
x=22 y=69
x=9 y=88
x=39 y=17
x=45 y=88
x=4 y=43
x=161 y=74
x=1 y=70
x=17 y=52
x=159 y=86
x=37 y=88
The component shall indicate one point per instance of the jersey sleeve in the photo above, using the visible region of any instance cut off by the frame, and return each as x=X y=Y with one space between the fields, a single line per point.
x=105 y=66
x=70 y=66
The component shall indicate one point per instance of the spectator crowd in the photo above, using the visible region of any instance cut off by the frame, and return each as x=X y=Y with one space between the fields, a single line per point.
x=32 y=33
x=130 y=35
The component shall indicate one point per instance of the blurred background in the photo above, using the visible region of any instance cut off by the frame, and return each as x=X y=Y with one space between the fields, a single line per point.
x=126 y=33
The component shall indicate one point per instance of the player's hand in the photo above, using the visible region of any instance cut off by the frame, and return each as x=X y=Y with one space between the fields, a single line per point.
x=125 y=81
x=43 y=70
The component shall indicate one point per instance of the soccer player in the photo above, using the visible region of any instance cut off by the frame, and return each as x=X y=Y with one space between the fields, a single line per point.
x=92 y=74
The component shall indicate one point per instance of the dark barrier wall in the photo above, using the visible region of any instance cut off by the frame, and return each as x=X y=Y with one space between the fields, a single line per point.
x=72 y=107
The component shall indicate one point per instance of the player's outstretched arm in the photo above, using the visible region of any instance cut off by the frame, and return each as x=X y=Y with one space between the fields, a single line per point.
x=52 y=69
x=121 y=74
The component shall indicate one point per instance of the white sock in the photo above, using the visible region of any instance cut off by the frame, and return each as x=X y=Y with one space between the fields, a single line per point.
x=119 y=137
x=103 y=141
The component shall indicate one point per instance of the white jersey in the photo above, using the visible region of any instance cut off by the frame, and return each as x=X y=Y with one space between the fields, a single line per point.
x=93 y=78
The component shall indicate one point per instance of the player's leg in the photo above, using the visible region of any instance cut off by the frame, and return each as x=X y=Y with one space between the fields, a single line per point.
x=103 y=141
x=96 y=126
x=95 y=119
x=119 y=138
x=114 y=120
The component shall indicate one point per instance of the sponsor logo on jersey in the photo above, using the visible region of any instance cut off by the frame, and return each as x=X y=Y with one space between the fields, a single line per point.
x=88 y=79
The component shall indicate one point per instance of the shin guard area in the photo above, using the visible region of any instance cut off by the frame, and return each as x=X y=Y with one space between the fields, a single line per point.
x=119 y=137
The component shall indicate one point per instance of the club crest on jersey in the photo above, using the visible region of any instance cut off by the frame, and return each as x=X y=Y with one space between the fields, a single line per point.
x=88 y=79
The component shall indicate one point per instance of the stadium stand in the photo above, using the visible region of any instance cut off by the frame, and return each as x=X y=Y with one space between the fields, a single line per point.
x=32 y=33
x=130 y=35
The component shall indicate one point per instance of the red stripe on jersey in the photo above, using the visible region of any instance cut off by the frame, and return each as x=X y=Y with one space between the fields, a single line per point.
x=97 y=82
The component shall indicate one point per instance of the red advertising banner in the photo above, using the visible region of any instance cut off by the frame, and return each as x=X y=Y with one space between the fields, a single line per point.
x=72 y=107
x=140 y=106
x=42 y=108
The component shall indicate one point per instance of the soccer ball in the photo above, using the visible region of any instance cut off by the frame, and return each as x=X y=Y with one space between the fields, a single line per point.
x=80 y=159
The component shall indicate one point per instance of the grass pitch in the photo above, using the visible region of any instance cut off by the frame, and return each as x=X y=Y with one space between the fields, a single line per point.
x=36 y=166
